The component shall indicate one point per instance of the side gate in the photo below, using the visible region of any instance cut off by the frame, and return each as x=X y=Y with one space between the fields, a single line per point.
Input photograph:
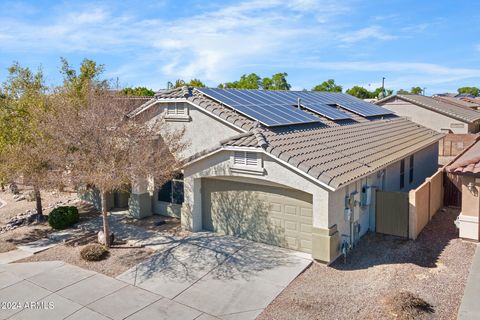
x=392 y=213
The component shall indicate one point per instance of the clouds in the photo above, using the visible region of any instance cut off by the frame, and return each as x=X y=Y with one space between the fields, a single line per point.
x=368 y=33
x=148 y=44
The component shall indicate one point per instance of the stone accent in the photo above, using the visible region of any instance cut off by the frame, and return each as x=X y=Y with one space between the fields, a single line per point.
x=325 y=244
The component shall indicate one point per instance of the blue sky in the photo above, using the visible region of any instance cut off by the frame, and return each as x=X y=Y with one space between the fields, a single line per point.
x=432 y=44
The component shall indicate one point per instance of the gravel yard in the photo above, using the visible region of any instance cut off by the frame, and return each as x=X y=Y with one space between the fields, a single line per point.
x=118 y=261
x=12 y=207
x=434 y=268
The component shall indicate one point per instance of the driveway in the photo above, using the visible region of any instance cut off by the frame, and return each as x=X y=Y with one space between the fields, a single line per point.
x=202 y=277
x=221 y=276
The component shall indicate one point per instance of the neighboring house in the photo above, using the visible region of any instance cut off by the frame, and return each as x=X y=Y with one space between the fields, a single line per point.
x=467 y=168
x=438 y=115
x=461 y=102
x=260 y=168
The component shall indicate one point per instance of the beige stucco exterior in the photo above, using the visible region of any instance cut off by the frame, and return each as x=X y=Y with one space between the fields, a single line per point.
x=468 y=220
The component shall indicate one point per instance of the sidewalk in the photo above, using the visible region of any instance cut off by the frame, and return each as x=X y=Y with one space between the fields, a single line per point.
x=469 y=307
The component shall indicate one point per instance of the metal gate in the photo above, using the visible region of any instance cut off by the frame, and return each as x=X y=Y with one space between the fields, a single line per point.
x=452 y=190
x=392 y=213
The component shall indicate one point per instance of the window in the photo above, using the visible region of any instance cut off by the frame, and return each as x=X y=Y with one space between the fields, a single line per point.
x=172 y=191
x=402 y=174
x=410 y=170
x=244 y=158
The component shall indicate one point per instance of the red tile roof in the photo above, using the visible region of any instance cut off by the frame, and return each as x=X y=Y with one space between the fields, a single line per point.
x=468 y=163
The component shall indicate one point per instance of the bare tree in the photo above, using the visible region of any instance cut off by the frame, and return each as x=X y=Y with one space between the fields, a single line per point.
x=98 y=145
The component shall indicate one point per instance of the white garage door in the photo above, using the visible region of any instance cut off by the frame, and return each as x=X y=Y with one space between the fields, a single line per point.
x=273 y=215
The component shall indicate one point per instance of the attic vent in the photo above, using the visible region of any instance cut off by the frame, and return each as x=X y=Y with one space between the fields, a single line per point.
x=244 y=158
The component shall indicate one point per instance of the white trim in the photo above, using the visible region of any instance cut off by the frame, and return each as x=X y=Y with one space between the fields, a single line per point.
x=193 y=104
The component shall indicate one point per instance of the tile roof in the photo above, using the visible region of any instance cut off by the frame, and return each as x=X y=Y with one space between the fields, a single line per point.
x=334 y=152
x=338 y=155
x=448 y=109
x=468 y=163
x=464 y=103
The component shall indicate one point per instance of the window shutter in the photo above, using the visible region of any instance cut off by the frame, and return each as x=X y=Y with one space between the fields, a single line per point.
x=239 y=158
x=180 y=108
x=171 y=109
x=251 y=159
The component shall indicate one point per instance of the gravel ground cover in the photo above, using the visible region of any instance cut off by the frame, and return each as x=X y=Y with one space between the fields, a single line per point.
x=433 y=268
x=118 y=260
x=12 y=208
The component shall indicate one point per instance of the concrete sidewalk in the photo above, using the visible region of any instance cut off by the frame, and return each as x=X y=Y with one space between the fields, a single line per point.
x=470 y=306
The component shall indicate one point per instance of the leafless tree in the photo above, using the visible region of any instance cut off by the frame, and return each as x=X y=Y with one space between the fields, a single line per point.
x=97 y=144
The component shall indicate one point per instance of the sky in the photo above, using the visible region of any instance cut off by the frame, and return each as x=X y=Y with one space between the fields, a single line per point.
x=433 y=44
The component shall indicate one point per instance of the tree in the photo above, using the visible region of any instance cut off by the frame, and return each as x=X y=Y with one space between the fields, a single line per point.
x=23 y=148
x=250 y=81
x=474 y=91
x=328 y=86
x=138 y=91
x=78 y=84
x=277 y=82
x=98 y=145
x=377 y=93
x=416 y=90
x=359 y=92
x=401 y=91
x=196 y=83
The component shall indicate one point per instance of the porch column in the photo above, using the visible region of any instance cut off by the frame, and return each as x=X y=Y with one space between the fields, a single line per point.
x=468 y=220
x=140 y=202
x=192 y=206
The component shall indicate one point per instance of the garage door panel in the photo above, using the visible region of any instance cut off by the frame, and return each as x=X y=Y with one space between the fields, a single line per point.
x=306 y=212
x=272 y=215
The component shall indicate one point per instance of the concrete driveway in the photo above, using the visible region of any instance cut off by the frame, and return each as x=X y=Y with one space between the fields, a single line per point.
x=223 y=277
x=201 y=277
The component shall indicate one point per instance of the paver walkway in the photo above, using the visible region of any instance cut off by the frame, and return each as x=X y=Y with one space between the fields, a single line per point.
x=469 y=307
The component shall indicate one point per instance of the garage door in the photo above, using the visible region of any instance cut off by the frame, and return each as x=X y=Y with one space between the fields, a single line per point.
x=273 y=215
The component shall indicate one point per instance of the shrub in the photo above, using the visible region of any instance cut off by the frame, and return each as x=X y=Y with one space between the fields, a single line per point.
x=94 y=252
x=63 y=217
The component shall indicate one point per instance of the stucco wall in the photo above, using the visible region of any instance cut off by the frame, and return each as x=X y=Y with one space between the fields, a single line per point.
x=425 y=163
x=425 y=117
x=470 y=200
x=202 y=132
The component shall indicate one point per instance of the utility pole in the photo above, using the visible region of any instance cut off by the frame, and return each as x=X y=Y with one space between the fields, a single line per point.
x=424 y=90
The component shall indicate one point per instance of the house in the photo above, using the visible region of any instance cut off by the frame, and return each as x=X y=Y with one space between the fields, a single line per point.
x=293 y=169
x=437 y=114
x=461 y=102
x=467 y=168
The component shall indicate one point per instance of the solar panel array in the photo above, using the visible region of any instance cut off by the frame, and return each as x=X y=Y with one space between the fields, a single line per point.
x=272 y=112
x=274 y=108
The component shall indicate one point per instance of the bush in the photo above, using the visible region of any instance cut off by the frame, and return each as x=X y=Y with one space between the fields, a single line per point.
x=63 y=217
x=94 y=252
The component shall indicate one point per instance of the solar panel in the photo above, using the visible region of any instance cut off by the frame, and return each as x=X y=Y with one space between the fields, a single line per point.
x=365 y=109
x=257 y=107
x=274 y=108
x=327 y=111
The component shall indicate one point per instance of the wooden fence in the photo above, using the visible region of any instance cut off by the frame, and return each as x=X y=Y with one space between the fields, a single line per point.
x=424 y=202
